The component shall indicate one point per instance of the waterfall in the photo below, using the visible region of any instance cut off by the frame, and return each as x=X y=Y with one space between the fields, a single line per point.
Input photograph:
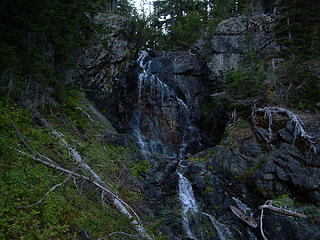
x=155 y=94
x=188 y=202
x=223 y=231
x=190 y=208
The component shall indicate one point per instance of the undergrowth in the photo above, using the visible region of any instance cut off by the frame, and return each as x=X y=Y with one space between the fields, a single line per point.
x=75 y=208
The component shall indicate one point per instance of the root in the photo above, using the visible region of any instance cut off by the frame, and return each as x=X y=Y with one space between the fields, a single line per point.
x=299 y=130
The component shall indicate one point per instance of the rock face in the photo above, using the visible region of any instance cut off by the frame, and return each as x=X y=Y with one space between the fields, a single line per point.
x=170 y=96
x=157 y=99
x=107 y=72
x=248 y=167
x=234 y=36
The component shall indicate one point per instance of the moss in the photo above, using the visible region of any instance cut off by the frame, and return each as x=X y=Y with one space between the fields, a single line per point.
x=251 y=171
x=283 y=201
x=208 y=190
x=196 y=159
x=244 y=124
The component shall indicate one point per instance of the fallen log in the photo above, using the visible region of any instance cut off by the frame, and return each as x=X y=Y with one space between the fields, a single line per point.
x=241 y=215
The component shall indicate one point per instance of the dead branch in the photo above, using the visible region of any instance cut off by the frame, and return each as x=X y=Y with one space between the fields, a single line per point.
x=76 y=185
x=52 y=164
x=234 y=120
x=47 y=193
x=261 y=224
x=114 y=199
x=282 y=211
x=241 y=215
x=79 y=108
x=218 y=94
x=97 y=181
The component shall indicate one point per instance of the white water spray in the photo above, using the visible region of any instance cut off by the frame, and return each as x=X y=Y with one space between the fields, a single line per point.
x=189 y=204
x=223 y=231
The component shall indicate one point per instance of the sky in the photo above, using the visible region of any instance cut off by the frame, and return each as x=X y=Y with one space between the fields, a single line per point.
x=138 y=3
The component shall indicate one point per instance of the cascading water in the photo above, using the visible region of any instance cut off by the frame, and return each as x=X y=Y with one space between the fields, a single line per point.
x=223 y=231
x=157 y=97
x=189 y=204
x=158 y=101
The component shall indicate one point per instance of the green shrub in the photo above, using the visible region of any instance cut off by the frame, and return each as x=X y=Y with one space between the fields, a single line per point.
x=140 y=168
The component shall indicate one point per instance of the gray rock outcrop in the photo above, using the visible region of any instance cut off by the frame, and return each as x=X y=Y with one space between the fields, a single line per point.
x=234 y=37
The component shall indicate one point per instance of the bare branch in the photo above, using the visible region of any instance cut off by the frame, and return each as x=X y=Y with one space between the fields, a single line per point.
x=261 y=224
x=298 y=123
x=79 y=108
x=78 y=190
x=282 y=211
x=218 y=94
x=47 y=193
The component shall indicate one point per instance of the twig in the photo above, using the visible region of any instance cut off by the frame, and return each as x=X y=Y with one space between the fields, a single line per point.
x=282 y=211
x=10 y=83
x=47 y=193
x=218 y=94
x=79 y=108
x=233 y=121
x=78 y=190
x=52 y=164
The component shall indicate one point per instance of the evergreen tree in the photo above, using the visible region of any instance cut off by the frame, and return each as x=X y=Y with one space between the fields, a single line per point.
x=298 y=34
x=40 y=39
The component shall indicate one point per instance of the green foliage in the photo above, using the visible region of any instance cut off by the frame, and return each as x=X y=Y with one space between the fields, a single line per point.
x=177 y=24
x=298 y=34
x=68 y=210
x=297 y=29
x=41 y=40
x=140 y=168
x=298 y=84
x=147 y=36
x=208 y=190
x=248 y=81
x=244 y=124
x=283 y=201
x=186 y=31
